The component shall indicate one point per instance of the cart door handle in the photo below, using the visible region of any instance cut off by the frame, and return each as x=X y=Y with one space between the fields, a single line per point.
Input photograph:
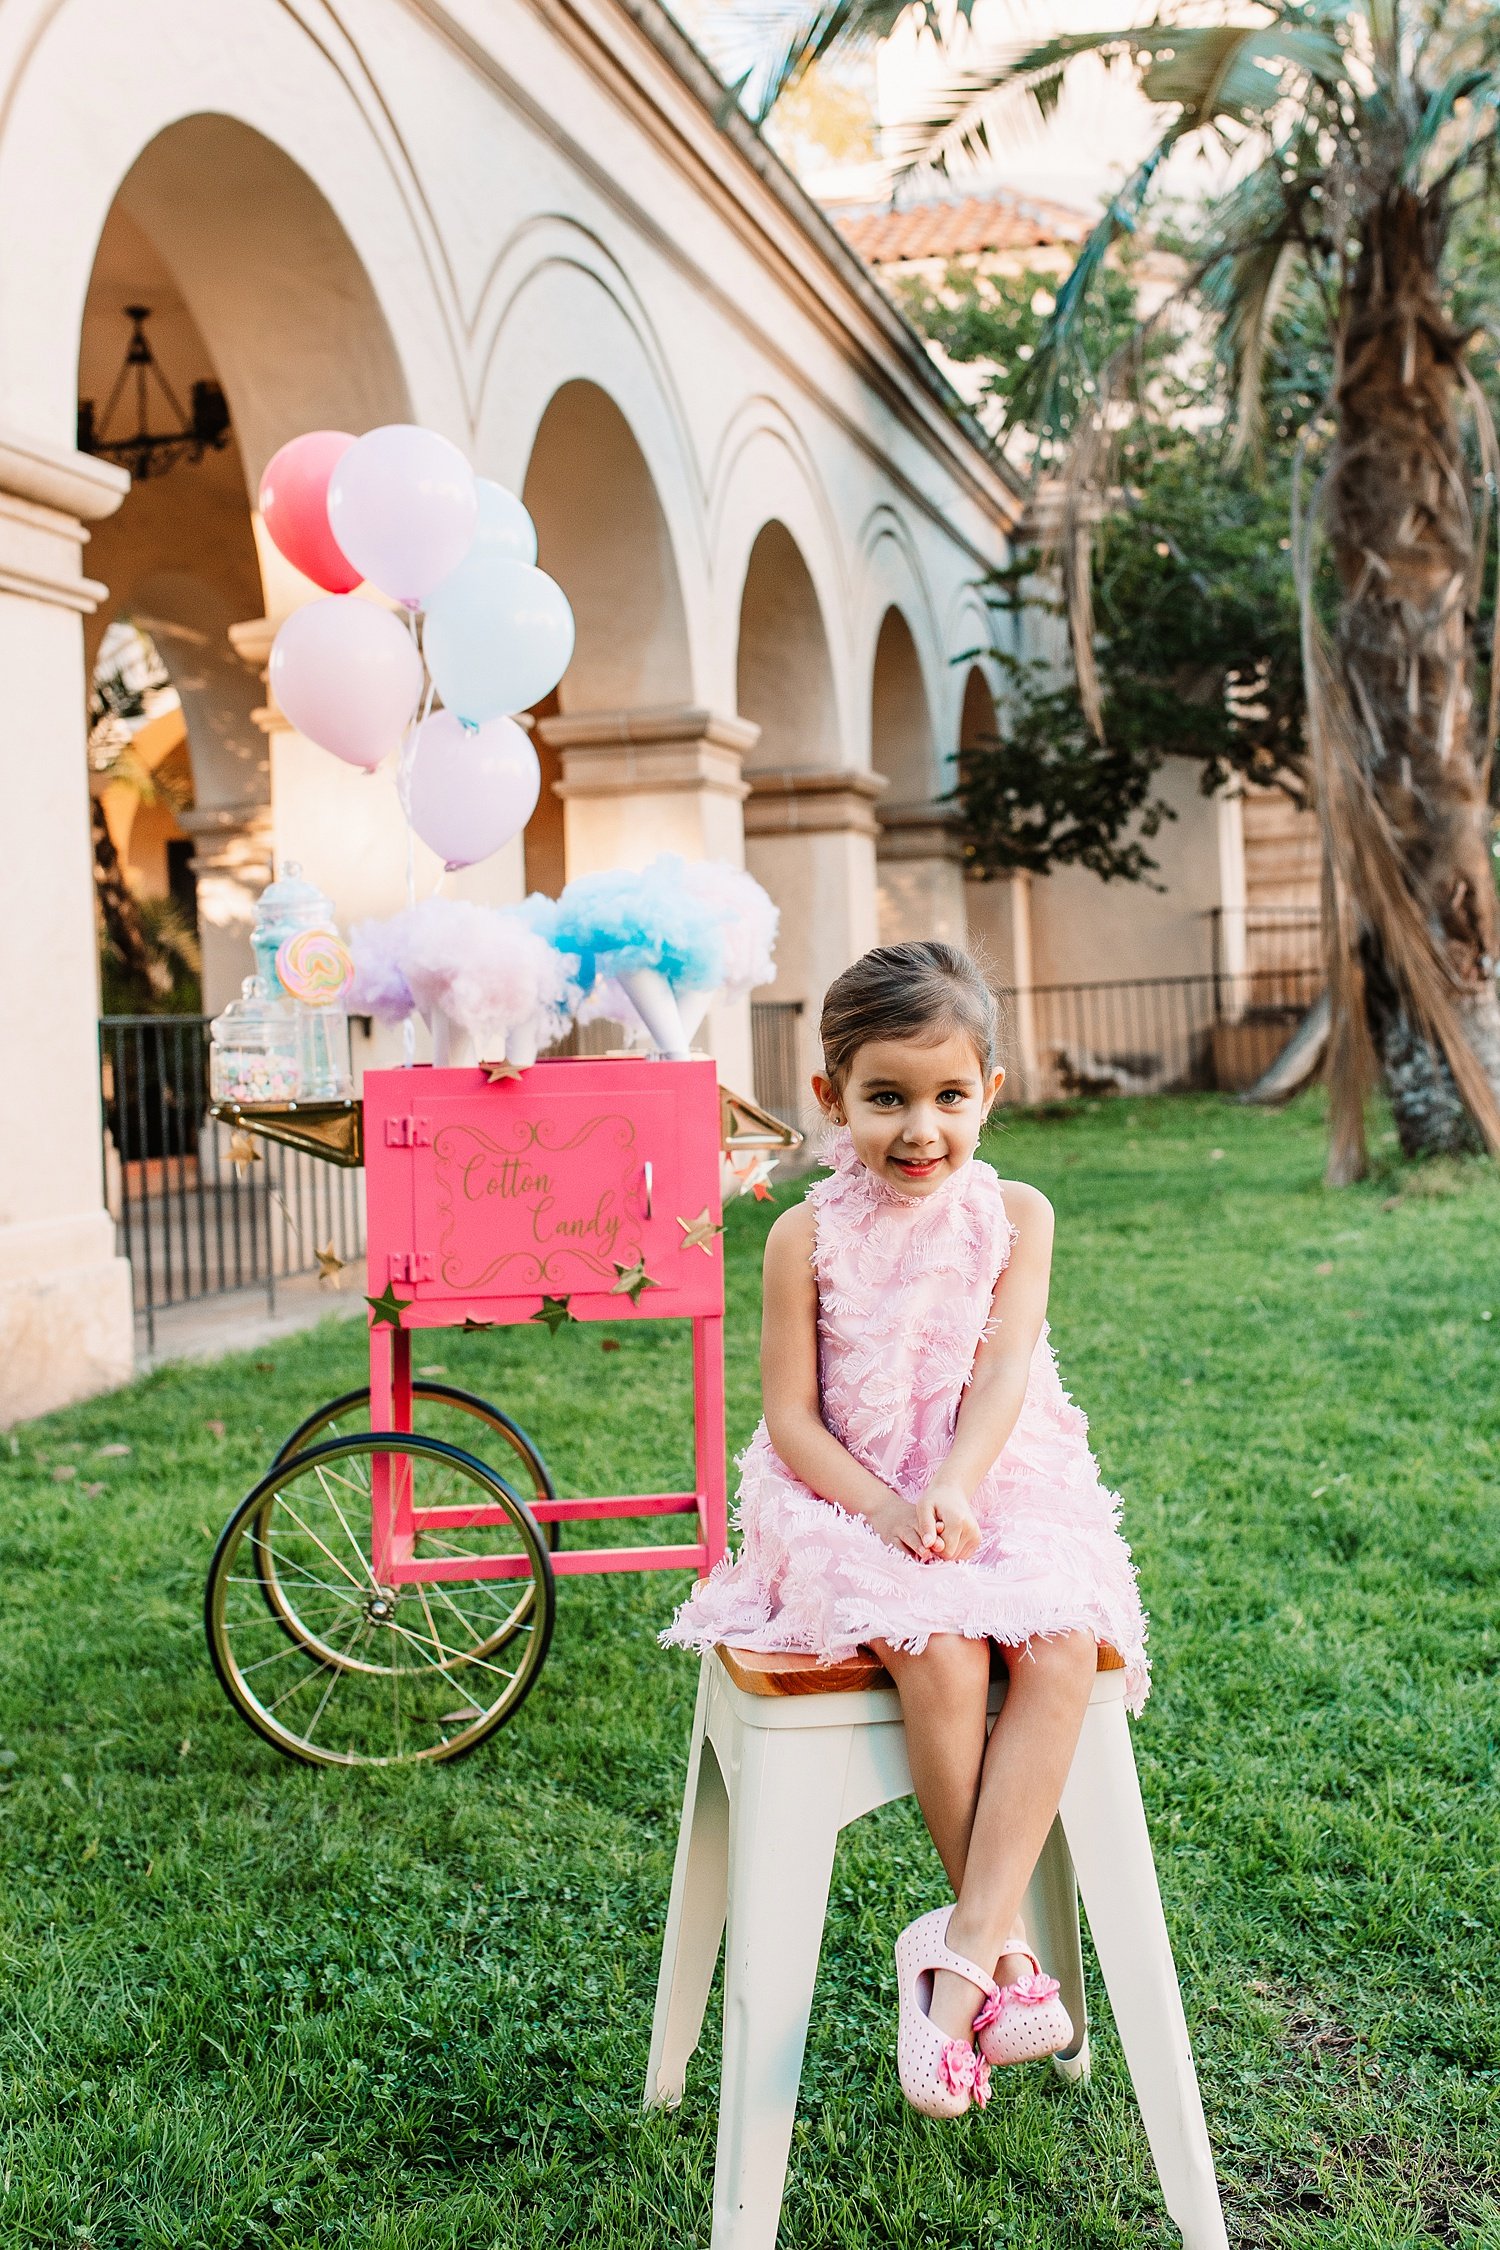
x=648 y=1187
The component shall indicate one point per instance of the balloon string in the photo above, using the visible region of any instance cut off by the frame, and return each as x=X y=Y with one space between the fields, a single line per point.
x=404 y=762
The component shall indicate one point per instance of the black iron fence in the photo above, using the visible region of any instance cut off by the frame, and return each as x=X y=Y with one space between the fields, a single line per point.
x=199 y=1210
x=1157 y=1035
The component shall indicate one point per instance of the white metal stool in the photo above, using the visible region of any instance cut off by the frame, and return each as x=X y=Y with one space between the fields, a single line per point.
x=784 y=1755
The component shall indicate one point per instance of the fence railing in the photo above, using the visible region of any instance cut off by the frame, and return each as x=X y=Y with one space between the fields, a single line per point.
x=1157 y=1035
x=199 y=1214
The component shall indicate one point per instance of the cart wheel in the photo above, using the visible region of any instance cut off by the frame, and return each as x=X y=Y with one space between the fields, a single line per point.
x=337 y=1670
x=442 y=1411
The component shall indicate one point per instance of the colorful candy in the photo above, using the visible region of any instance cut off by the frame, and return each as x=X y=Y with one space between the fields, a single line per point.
x=315 y=967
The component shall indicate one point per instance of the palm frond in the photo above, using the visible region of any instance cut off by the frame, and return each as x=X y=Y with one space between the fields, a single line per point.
x=1435 y=134
x=1208 y=73
x=829 y=24
x=1257 y=284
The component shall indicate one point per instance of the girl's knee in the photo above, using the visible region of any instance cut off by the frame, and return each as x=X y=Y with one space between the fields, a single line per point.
x=949 y=1664
x=1064 y=1658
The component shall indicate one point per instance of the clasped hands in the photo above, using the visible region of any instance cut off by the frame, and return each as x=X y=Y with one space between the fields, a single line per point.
x=939 y=1527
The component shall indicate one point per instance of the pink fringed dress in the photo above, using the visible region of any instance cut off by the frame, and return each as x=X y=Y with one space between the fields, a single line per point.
x=904 y=1295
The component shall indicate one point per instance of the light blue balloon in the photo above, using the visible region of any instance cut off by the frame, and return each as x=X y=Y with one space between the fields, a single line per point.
x=504 y=527
x=497 y=637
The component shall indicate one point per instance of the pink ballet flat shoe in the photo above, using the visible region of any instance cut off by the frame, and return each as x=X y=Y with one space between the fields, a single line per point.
x=1023 y=2021
x=939 y=2076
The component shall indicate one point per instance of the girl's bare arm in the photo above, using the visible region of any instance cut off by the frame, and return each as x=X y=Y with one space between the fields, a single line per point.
x=789 y=1391
x=992 y=1403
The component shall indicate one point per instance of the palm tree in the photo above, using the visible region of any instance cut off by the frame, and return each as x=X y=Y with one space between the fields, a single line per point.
x=1359 y=128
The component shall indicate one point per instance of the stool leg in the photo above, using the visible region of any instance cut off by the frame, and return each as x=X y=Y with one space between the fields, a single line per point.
x=695 y=1919
x=784 y=1815
x=1105 y=1825
x=1050 y=1912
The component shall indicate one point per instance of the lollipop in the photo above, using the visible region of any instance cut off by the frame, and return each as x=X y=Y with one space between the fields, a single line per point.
x=315 y=967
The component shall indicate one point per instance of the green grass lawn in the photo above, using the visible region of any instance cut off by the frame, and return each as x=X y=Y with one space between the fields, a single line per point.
x=251 y=2004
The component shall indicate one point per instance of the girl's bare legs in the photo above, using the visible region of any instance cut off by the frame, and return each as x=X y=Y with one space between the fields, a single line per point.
x=988 y=1809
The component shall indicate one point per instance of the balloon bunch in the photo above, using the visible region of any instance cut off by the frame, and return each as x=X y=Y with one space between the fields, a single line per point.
x=670 y=938
x=401 y=509
x=482 y=977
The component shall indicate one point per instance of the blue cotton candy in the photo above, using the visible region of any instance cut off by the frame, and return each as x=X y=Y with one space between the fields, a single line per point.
x=646 y=918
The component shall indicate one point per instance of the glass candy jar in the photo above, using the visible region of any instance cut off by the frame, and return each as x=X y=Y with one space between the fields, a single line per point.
x=284 y=907
x=254 y=1059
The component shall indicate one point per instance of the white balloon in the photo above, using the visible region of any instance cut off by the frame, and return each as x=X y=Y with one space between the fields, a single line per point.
x=471 y=788
x=498 y=636
x=403 y=506
x=504 y=526
x=348 y=676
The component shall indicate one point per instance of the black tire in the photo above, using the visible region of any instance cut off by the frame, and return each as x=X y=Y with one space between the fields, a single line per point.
x=370 y=1646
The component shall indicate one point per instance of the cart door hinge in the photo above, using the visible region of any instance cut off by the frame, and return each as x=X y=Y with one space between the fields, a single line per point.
x=410 y=1265
x=408 y=1132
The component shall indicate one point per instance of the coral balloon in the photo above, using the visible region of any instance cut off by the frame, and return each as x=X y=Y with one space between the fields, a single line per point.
x=498 y=636
x=472 y=788
x=403 y=506
x=348 y=676
x=504 y=526
x=294 y=508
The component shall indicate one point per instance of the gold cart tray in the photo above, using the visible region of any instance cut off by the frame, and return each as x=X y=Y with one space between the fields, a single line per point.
x=332 y=1130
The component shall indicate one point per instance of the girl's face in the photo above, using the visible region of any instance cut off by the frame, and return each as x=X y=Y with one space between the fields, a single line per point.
x=915 y=1111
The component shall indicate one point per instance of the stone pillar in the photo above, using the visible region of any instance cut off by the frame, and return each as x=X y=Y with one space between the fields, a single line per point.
x=635 y=783
x=1000 y=933
x=66 y=1328
x=810 y=839
x=921 y=875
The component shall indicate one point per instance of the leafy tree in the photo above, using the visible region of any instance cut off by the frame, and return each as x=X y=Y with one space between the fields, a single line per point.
x=1363 y=127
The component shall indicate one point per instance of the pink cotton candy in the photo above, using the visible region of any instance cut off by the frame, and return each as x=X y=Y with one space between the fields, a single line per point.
x=485 y=970
x=748 y=919
x=380 y=987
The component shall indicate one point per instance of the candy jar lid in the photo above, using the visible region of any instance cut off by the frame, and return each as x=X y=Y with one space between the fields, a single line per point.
x=293 y=903
x=252 y=1012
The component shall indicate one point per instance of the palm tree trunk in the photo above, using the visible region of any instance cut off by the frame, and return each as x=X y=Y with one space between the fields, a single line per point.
x=120 y=914
x=1403 y=536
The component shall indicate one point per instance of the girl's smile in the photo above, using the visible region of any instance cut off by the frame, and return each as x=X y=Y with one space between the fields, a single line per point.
x=915 y=1110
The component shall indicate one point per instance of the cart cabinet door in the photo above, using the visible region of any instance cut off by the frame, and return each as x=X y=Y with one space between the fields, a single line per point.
x=595 y=1183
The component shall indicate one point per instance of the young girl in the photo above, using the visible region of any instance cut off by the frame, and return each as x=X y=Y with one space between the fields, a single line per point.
x=922 y=1485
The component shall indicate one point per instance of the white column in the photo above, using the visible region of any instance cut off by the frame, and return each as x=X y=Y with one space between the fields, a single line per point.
x=810 y=839
x=65 y=1315
x=921 y=865
x=635 y=783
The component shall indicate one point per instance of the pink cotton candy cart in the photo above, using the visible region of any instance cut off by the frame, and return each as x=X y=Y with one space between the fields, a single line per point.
x=386 y=1594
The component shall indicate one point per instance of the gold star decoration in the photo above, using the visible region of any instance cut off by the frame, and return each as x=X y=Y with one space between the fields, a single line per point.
x=698 y=1234
x=497 y=1072
x=330 y=1266
x=242 y=1149
x=387 y=1308
x=552 y=1312
x=633 y=1279
x=472 y=1327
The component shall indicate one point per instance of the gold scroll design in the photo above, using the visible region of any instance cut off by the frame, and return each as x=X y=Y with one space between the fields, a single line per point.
x=539 y=1138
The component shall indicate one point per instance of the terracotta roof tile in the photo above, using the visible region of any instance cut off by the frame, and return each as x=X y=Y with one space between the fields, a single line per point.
x=957 y=230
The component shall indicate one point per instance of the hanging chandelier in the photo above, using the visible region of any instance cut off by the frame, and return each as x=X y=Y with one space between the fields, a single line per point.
x=147 y=452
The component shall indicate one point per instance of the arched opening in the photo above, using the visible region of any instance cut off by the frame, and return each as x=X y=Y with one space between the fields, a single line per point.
x=251 y=283
x=978 y=726
x=784 y=677
x=901 y=740
x=919 y=857
x=602 y=533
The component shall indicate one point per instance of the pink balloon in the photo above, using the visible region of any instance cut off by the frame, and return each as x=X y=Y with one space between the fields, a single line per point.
x=348 y=676
x=294 y=507
x=472 y=788
x=404 y=505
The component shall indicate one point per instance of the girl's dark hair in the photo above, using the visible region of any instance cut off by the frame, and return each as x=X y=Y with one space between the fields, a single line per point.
x=915 y=991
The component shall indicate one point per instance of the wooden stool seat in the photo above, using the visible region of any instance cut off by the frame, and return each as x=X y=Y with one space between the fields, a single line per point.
x=786 y=1672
